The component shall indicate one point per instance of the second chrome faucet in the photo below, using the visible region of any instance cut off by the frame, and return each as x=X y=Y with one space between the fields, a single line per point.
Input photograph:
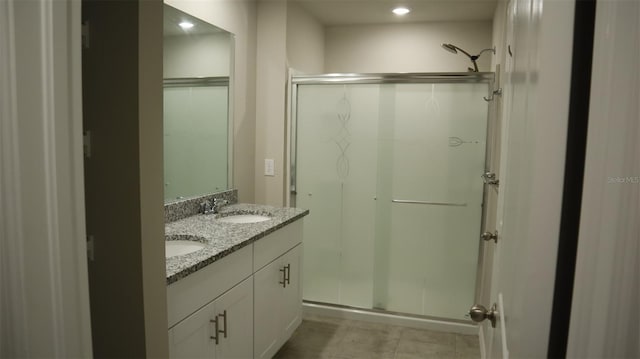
x=207 y=207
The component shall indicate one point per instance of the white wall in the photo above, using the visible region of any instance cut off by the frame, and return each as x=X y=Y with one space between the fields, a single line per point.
x=305 y=41
x=151 y=186
x=239 y=18
x=271 y=78
x=406 y=47
x=288 y=37
x=122 y=108
x=604 y=316
x=196 y=55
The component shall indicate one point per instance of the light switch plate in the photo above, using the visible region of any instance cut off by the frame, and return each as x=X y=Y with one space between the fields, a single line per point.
x=269 y=167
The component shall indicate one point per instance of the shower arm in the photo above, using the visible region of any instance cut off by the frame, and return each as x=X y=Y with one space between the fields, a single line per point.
x=492 y=49
x=471 y=57
x=474 y=58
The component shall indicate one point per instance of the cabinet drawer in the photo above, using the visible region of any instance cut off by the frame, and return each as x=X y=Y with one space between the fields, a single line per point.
x=267 y=249
x=191 y=293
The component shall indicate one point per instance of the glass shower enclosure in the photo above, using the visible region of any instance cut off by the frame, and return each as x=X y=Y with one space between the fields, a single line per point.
x=390 y=167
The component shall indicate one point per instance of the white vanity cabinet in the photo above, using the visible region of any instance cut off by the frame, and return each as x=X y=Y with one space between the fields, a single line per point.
x=277 y=289
x=218 y=330
x=253 y=295
x=277 y=308
x=205 y=303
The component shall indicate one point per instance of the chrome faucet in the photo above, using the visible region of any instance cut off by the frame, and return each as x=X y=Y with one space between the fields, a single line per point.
x=218 y=203
x=207 y=207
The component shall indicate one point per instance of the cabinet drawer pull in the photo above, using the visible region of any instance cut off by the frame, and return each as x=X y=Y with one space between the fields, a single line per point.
x=287 y=277
x=284 y=277
x=215 y=337
x=224 y=324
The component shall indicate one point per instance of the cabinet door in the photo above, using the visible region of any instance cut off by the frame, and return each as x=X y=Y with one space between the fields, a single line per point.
x=291 y=301
x=268 y=294
x=235 y=322
x=191 y=338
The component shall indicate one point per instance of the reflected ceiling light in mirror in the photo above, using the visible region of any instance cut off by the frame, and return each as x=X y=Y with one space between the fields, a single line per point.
x=401 y=10
x=185 y=25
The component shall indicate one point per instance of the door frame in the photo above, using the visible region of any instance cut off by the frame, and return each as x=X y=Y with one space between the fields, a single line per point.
x=578 y=123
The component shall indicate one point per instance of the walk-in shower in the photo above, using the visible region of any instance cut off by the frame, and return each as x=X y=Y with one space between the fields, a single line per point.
x=390 y=167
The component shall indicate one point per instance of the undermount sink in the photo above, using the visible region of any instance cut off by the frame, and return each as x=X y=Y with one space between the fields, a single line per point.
x=181 y=247
x=244 y=218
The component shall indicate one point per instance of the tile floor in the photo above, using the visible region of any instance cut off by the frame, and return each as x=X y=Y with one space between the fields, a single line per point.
x=326 y=337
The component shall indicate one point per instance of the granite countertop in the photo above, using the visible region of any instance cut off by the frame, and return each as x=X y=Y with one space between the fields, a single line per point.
x=221 y=238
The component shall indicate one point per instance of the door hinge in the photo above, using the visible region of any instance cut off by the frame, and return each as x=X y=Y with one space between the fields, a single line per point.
x=490 y=179
x=91 y=248
x=86 y=144
x=85 y=34
x=488 y=236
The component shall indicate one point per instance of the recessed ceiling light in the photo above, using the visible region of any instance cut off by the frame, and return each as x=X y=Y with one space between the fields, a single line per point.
x=401 y=11
x=186 y=25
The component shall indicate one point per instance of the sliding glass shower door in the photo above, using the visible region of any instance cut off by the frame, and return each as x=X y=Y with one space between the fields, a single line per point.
x=391 y=174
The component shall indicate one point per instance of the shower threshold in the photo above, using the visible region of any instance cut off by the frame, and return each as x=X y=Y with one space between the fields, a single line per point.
x=390 y=318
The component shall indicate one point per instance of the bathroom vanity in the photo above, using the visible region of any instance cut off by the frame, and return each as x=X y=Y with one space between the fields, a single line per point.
x=238 y=294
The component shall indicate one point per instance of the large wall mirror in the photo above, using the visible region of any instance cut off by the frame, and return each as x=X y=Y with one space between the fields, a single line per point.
x=198 y=59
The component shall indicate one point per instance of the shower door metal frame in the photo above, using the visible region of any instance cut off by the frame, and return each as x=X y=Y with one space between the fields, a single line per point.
x=399 y=78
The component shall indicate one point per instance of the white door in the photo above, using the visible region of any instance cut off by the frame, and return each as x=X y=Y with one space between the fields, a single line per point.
x=292 y=293
x=536 y=91
x=496 y=337
x=235 y=316
x=268 y=293
x=192 y=337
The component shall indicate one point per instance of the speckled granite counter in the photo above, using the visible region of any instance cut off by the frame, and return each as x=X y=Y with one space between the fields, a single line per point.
x=222 y=238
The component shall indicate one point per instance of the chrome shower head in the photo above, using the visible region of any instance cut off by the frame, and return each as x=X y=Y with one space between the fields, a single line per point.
x=454 y=50
x=450 y=48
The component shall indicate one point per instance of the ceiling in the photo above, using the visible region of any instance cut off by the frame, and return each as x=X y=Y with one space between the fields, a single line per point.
x=345 y=12
x=173 y=16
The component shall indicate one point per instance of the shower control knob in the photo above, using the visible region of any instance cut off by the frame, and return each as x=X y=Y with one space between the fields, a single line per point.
x=478 y=313
x=487 y=236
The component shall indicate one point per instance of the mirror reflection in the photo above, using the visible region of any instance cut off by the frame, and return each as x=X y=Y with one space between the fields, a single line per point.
x=197 y=62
